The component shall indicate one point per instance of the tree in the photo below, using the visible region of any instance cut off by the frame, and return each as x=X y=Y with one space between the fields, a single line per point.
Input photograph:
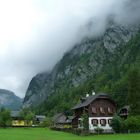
x=134 y=91
x=29 y=118
x=5 y=118
x=116 y=124
x=132 y=124
x=27 y=115
x=47 y=122
x=85 y=121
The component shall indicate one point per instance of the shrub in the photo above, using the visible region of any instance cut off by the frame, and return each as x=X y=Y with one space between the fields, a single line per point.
x=123 y=128
x=5 y=118
x=85 y=132
x=47 y=123
x=77 y=131
x=27 y=115
x=99 y=130
x=67 y=126
x=82 y=132
x=85 y=121
x=132 y=124
x=116 y=124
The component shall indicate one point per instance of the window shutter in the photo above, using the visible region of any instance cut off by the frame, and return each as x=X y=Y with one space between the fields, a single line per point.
x=102 y=110
x=94 y=110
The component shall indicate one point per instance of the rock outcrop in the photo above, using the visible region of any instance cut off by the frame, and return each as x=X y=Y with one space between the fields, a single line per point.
x=86 y=60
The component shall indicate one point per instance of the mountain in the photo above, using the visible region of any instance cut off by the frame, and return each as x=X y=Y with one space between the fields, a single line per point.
x=100 y=63
x=9 y=100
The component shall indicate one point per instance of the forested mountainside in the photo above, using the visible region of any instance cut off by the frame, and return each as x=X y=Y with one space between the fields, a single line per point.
x=9 y=100
x=101 y=64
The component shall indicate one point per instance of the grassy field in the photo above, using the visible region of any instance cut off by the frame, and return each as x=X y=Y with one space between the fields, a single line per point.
x=45 y=134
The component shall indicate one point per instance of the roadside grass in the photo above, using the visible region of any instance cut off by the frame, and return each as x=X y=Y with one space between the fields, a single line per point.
x=46 y=134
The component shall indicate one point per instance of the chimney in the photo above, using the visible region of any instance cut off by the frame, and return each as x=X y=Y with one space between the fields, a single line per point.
x=82 y=100
x=93 y=93
x=87 y=95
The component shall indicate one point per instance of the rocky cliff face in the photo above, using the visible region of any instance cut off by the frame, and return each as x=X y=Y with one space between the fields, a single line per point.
x=85 y=61
x=9 y=100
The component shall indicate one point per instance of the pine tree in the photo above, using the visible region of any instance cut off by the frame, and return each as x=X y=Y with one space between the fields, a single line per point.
x=134 y=91
x=85 y=121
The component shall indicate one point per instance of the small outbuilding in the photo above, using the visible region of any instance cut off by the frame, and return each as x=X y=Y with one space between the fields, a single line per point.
x=124 y=112
x=38 y=119
x=61 y=120
x=17 y=119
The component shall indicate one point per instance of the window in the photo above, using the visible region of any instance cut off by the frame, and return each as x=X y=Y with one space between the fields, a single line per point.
x=103 y=122
x=80 y=123
x=94 y=122
x=110 y=110
x=109 y=121
x=94 y=110
x=102 y=110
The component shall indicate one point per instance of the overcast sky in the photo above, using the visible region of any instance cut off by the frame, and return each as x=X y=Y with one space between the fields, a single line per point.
x=35 y=34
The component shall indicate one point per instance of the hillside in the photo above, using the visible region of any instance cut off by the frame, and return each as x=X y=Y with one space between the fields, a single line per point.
x=9 y=100
x=99 y=63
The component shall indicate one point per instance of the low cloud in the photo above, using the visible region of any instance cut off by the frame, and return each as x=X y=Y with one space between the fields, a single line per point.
x=35 y=34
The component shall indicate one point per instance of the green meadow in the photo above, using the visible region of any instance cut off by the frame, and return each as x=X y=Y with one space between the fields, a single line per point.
x=46 y=134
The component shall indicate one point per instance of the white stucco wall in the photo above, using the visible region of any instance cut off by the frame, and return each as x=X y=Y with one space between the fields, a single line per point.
x=106 y=128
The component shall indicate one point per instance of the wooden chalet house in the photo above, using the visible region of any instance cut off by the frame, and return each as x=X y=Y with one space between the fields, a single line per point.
x=100 y=109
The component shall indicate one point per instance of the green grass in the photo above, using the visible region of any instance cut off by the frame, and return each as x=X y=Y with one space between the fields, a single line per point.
x=45 y=134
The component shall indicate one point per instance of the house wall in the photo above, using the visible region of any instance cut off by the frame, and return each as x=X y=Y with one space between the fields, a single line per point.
x=75 y=122
x=107 y=127
x=104 y=103
x=20 y=123
x=79 y=112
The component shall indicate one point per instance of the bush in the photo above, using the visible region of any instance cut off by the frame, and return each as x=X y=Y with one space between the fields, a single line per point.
x=27 y=115
x=85 y=121
x=5 y=118
x=116 y=124
x=81 y=132
x=123 y=128
x=47 y=123
x=85 y=132
x=132 y=124
x=99 y=130
x=77 y=131
x=67 y=126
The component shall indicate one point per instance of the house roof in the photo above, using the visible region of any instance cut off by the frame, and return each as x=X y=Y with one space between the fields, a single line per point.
x=126 y=107
x=61 y=118
x=69 y=119
x=90 y=99
x=40 y=116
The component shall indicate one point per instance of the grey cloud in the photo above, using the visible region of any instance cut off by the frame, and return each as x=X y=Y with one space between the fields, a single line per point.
x=60 y=25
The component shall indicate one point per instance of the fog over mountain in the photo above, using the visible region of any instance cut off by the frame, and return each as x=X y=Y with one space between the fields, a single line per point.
x=9 y=100
x=35 y=34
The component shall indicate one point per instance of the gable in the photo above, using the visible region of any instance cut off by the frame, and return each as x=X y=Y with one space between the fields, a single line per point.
x=91 y=99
